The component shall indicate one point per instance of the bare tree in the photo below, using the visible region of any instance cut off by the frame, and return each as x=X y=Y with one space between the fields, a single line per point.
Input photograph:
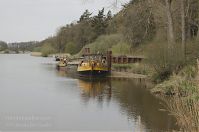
x=197 y=37
x=183 y=27
x=171 y=38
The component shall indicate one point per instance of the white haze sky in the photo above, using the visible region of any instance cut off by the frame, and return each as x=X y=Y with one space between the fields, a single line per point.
x=27 y=20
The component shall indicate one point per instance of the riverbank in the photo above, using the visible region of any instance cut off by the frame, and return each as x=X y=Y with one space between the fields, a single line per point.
x=116 y=74
x=38 y=54
x=180 y=92
x=13 y=52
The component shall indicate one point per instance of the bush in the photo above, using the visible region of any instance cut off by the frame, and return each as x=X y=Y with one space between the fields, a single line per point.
x=121 y=48
x=47 y=49
x=163 y=61
x=184 y=104
x=140 y=68
x=70 y=48
x=186 y=112
x=176 y=85
x=189 y=72
x=37 y=49
x=181 y=84
x=103 y=43
x=6 y=51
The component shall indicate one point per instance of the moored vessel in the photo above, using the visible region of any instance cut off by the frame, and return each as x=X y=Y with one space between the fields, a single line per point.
x=93 y=65
x=62 y=63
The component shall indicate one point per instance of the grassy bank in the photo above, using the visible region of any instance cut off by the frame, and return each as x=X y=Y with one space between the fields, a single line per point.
x=180 y=92
x=36 y=54
x=136 y=68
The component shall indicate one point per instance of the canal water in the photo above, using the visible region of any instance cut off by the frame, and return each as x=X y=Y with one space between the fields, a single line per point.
x=35 y=96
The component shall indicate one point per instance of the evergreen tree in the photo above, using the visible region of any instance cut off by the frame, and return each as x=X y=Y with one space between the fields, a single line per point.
x=109 y=15
x=99 y=23
x=85 y=16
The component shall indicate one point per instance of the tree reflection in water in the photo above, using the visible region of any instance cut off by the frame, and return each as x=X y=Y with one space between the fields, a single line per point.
x=134 y=99
x=99 y=89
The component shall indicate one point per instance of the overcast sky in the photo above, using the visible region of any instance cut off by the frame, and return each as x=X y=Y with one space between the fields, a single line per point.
x=27 y=20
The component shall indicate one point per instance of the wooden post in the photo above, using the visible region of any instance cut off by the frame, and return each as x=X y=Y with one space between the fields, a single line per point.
x=86 y=51
x=109 y=60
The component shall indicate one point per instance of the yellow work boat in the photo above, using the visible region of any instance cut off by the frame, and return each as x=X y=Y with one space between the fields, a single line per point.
x=62 y=63
x=93 y=65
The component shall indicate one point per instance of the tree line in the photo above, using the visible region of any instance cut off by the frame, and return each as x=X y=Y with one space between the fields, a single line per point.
x=173 y=22
x=18 y=46
x=3 y=46
x=73 y=37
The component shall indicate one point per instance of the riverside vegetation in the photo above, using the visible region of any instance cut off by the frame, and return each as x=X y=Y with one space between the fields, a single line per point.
x=166 y=32
x=3 y=46
x=17 y=47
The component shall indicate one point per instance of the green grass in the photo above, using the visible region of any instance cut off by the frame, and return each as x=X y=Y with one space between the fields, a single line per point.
x=181 y=84
x=137 y=68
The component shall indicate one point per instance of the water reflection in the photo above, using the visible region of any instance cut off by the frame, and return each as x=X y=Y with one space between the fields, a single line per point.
x=99 y=89
x=138 y=104
x=34 y=96
x=61 y=73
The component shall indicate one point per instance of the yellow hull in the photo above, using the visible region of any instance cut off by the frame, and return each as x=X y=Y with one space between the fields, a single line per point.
x=93 y=68
x=61 y=64
x=90 y=68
